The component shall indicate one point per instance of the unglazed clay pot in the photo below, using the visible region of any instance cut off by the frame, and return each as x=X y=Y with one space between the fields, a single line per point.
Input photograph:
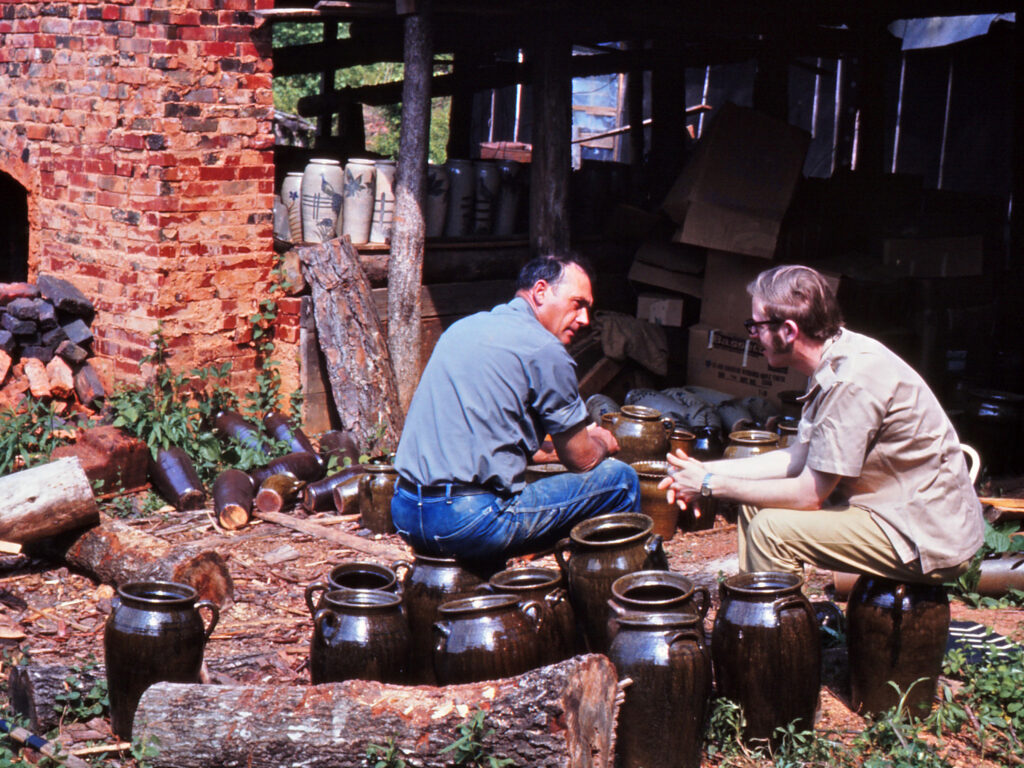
x=357 y=202
x=291 y=198
x=356 y=575
x=154 y=634
x=558 y=638
x=642 y=433
x=383 y=202
x=359 y=634
x=653 y=502
x=486 y=637
x=661 y=722
x=750 y=442
x=601 y=550
x=430 y=581
x=322 y=184
x=767 y=652
x=895 y=632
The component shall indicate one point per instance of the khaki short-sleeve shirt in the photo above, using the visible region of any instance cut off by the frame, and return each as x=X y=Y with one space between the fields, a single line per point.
x=870 y=418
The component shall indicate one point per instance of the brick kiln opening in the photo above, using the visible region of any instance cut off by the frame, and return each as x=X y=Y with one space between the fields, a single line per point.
x=13 y=230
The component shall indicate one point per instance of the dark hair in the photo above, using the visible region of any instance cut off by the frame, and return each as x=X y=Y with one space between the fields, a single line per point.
x=800 y=294
x=550 y=269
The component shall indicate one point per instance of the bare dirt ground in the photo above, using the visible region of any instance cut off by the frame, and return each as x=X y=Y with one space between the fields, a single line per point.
x=54 y=616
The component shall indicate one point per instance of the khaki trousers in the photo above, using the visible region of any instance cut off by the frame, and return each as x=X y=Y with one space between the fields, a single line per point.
x=837 y=538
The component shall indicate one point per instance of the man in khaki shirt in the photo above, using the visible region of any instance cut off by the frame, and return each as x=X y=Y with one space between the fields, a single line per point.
x=876 y=481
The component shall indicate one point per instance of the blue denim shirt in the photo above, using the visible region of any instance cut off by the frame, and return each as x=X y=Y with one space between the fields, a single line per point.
x=496 y=384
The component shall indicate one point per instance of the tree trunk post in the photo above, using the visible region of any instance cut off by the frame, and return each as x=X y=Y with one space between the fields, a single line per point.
x=550 y=166
x=405 y=267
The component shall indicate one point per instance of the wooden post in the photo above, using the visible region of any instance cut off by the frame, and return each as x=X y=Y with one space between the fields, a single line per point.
x=460 y=117
x=552 y=134
x=405 y=267
x=635 y=118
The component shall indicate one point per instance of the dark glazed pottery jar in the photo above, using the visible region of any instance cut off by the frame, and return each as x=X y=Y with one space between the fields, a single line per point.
x=376 y=487
x=305 y=466
x=277 y=492
x=603 y=549
x=682 y=440
x=558 y=638
x=653 y=503
x=359 y=634
x=430 y=581
x=992 y=425
x=661 y=722
x=708 y=444
x=895 y=631
x=154 y=634
x=175 y=478
x=357 y=575
x=233 y=494
x=281 y=429
x=750 y=442
x=486 y=637
x=642 y=432
x=233 y=424
x=767 y=652
x=320 y=497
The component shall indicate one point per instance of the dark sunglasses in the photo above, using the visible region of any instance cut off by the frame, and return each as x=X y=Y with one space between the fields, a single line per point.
x=753 y=325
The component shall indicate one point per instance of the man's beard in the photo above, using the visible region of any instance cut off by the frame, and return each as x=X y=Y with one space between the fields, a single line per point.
x=779 y=346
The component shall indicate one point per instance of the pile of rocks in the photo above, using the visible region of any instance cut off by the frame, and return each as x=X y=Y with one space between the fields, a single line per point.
x=45 y=340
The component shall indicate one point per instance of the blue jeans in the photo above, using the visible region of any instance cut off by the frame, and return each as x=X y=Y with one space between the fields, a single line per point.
x=485 y=527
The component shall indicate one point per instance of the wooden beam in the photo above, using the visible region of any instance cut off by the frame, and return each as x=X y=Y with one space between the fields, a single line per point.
x=447 y=299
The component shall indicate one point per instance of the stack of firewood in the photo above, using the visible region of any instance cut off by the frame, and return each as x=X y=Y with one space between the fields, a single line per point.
x=45 y=341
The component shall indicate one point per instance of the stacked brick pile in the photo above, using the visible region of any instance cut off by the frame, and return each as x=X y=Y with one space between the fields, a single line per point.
x=45 y=341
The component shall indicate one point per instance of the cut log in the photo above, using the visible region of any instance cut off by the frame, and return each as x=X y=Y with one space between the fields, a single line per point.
x=33 y=691
x=559 y=715
x=349 y=540
x=353 y=342
x=46 y=500
x=115 y=553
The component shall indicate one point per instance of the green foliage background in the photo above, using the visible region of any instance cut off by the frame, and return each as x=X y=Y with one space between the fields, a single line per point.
x=288 y=91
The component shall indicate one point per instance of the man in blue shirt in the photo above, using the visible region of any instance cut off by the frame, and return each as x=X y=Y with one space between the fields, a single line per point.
x=496 y=384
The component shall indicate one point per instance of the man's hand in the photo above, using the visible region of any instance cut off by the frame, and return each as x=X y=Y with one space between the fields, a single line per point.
x=603 y=436
x=546 y=453
x=682 y=484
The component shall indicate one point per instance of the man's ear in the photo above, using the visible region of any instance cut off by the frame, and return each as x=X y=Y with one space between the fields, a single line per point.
x=540 y=291
x=789 y=331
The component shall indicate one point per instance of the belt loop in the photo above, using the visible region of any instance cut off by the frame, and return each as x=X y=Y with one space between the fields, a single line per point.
x=448 y=493
x=419 y=496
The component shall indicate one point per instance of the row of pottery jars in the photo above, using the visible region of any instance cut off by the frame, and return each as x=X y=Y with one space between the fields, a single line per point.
x=483 y=198
x=154 y=633
x=599 y=551
x=356 y=200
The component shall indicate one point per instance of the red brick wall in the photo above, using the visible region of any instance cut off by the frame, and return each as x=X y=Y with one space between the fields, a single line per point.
x=143 y=134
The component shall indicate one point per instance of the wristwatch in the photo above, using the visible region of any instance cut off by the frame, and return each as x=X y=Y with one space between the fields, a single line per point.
x=705 y=487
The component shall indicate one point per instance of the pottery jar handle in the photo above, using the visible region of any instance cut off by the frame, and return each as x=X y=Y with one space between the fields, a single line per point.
x=442 y=631
x=485 y=589
x=535 y=611
x=794 y=601
x=668 y=423
x=324 y=616
x=557 y=595
x=656 y=559
x=310 y=590
x=214 y=616
x=395 y=566
x=560 y=549
x=702 y=597
x=691 y=633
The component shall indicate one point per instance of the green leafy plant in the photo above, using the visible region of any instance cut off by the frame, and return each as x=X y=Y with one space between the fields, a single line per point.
x=999 y=540
x=470 y=748
x=29 y=433
x=81 y=701
x=385 y=756
x=144 y=750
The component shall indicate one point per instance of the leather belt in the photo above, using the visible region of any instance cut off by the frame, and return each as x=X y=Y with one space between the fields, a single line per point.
x=434 y=491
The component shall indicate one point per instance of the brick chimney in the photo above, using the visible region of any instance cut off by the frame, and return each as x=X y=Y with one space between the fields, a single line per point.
x=142 y=134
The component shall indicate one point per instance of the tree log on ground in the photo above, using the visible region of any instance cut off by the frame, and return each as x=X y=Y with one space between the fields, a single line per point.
x=115 y=553
x=379 y=549
x=353 y=342
x=46 y=500
x=559 y=715
x=33 y=691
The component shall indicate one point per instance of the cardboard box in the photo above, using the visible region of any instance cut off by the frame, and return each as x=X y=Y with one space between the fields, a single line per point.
x=725 y=302
x=733 y=193
x=680 y=282
x=670 y=266
x=660 y=309
x=735 y=364
x=935 y=256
